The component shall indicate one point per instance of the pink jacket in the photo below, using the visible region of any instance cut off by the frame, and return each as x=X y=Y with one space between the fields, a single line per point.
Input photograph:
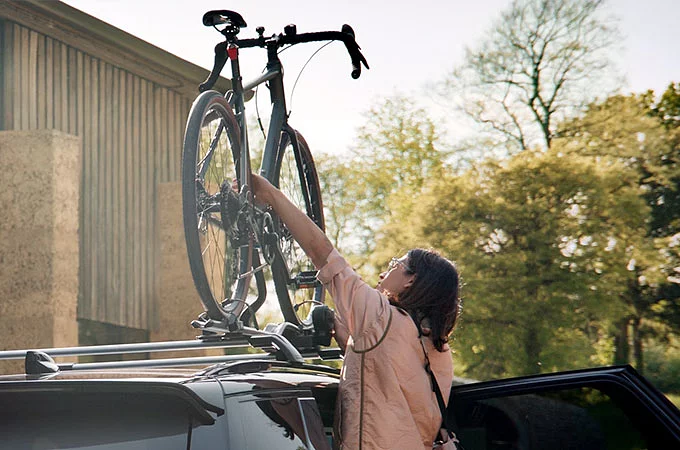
x=385 y=399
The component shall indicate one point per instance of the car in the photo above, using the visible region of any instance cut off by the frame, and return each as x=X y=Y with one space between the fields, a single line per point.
x=278 y=399
x=273 y=399
x=595 y=408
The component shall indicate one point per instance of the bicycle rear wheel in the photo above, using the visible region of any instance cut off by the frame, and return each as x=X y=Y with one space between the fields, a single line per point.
x=219 y=245
x=294 y=275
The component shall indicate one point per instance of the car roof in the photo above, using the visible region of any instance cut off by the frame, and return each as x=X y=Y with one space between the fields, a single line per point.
x=199 y=387
x=244 y=372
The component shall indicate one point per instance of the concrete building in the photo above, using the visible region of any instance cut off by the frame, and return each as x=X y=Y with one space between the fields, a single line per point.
x=91 y=128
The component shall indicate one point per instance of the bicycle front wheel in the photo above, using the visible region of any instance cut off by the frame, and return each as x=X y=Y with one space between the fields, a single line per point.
x=219 y=245
x=294 y=274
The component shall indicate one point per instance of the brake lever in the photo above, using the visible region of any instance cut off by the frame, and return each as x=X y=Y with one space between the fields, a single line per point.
x=354 y=52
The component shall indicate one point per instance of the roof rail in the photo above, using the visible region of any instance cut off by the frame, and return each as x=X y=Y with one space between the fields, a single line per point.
x=273 y=343
x=145 y=347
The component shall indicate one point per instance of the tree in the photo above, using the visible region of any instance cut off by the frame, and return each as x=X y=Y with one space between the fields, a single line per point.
x=397 y=149
x=666 y=196
x=336 y=176
x=666 y=208
x=533 y=239
x=632 y=132
x=543 y=61
x=668 y=107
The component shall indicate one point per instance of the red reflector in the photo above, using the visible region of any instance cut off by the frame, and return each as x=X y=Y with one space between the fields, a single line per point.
x=232 y=52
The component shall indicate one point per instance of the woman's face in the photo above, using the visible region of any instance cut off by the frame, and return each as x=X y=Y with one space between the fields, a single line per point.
x=396 y=278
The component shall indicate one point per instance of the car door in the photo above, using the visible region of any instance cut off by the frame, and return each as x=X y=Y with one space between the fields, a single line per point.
x=603 y=408
x=276 y=418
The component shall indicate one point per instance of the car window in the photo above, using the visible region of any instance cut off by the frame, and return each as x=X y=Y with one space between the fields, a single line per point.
x=98 y=421
x=582 y=418
x=283 y=422
x=320 y=437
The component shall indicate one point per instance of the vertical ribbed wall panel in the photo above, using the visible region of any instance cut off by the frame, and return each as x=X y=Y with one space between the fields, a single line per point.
x=131 y=129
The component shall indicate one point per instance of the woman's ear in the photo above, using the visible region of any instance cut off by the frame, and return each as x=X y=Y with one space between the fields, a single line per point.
x=409 y=281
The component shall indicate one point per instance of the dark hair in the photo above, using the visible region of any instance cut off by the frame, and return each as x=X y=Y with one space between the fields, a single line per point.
x=433 y=294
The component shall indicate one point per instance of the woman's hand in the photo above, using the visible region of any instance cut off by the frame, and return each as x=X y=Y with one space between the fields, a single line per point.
x=263 y=190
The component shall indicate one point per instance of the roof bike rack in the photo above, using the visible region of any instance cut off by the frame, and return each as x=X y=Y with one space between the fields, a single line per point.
x=308 y=338
x=274 y=345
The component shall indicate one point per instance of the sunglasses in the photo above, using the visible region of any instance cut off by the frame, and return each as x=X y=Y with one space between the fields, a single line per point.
x=394 y=262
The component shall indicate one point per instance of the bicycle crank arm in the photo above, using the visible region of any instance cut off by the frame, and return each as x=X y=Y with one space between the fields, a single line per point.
x=252 y=271
x=269 y=241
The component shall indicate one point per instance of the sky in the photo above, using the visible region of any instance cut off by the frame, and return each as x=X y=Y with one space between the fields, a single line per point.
x=407 y=45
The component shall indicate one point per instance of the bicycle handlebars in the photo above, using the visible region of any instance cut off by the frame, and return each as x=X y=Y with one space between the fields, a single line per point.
x=346 y=35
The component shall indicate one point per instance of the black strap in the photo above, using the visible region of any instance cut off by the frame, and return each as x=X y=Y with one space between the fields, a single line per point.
x=433 y=381
x=437 y=391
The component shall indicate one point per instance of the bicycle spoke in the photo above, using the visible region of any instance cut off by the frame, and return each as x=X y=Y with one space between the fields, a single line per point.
x=205 y=162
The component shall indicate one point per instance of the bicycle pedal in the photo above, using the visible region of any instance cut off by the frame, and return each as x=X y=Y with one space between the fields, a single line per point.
x=305 y=280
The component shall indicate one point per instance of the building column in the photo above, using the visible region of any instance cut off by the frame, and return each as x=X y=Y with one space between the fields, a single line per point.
x=39 y=246
x=178 y=302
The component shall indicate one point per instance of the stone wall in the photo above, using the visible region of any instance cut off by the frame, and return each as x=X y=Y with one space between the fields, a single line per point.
x=178 y=302
x=39 y=249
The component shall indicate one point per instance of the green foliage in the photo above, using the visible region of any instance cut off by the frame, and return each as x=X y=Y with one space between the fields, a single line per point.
x=622 y=129
x=674 y=398
x=630 y=133
x=668 y=107
x=336 y=176
x=666 y=213
x=532 y=238
x=663 y=364
x=544 y=240
x=397 y=150
x=569 y=250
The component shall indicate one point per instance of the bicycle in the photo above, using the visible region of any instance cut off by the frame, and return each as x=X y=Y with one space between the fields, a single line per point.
x=230 y=239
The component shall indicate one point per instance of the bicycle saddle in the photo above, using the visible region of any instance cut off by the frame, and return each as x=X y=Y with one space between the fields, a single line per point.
x=223 y=16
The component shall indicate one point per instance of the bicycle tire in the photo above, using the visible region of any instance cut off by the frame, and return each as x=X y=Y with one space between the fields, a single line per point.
x=219 y=250
x=296 y=176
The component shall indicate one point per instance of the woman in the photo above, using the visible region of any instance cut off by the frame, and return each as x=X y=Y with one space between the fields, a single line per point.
x=385 y=397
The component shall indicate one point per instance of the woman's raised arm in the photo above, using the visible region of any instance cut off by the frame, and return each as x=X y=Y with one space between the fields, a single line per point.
x=310 y=237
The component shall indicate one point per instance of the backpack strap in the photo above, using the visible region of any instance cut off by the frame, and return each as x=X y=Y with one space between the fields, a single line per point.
x=437 y=392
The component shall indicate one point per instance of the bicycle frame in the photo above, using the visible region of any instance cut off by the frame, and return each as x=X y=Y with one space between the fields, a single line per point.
x=278 y=118
x=278 y=122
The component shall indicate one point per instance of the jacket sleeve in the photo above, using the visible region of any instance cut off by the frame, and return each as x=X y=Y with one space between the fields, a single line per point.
x=363 y=310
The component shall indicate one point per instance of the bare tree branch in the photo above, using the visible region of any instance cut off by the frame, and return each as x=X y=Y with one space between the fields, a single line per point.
x=536 y=67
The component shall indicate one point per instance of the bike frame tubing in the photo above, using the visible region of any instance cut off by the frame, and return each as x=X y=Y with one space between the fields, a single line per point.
x=278 y=118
